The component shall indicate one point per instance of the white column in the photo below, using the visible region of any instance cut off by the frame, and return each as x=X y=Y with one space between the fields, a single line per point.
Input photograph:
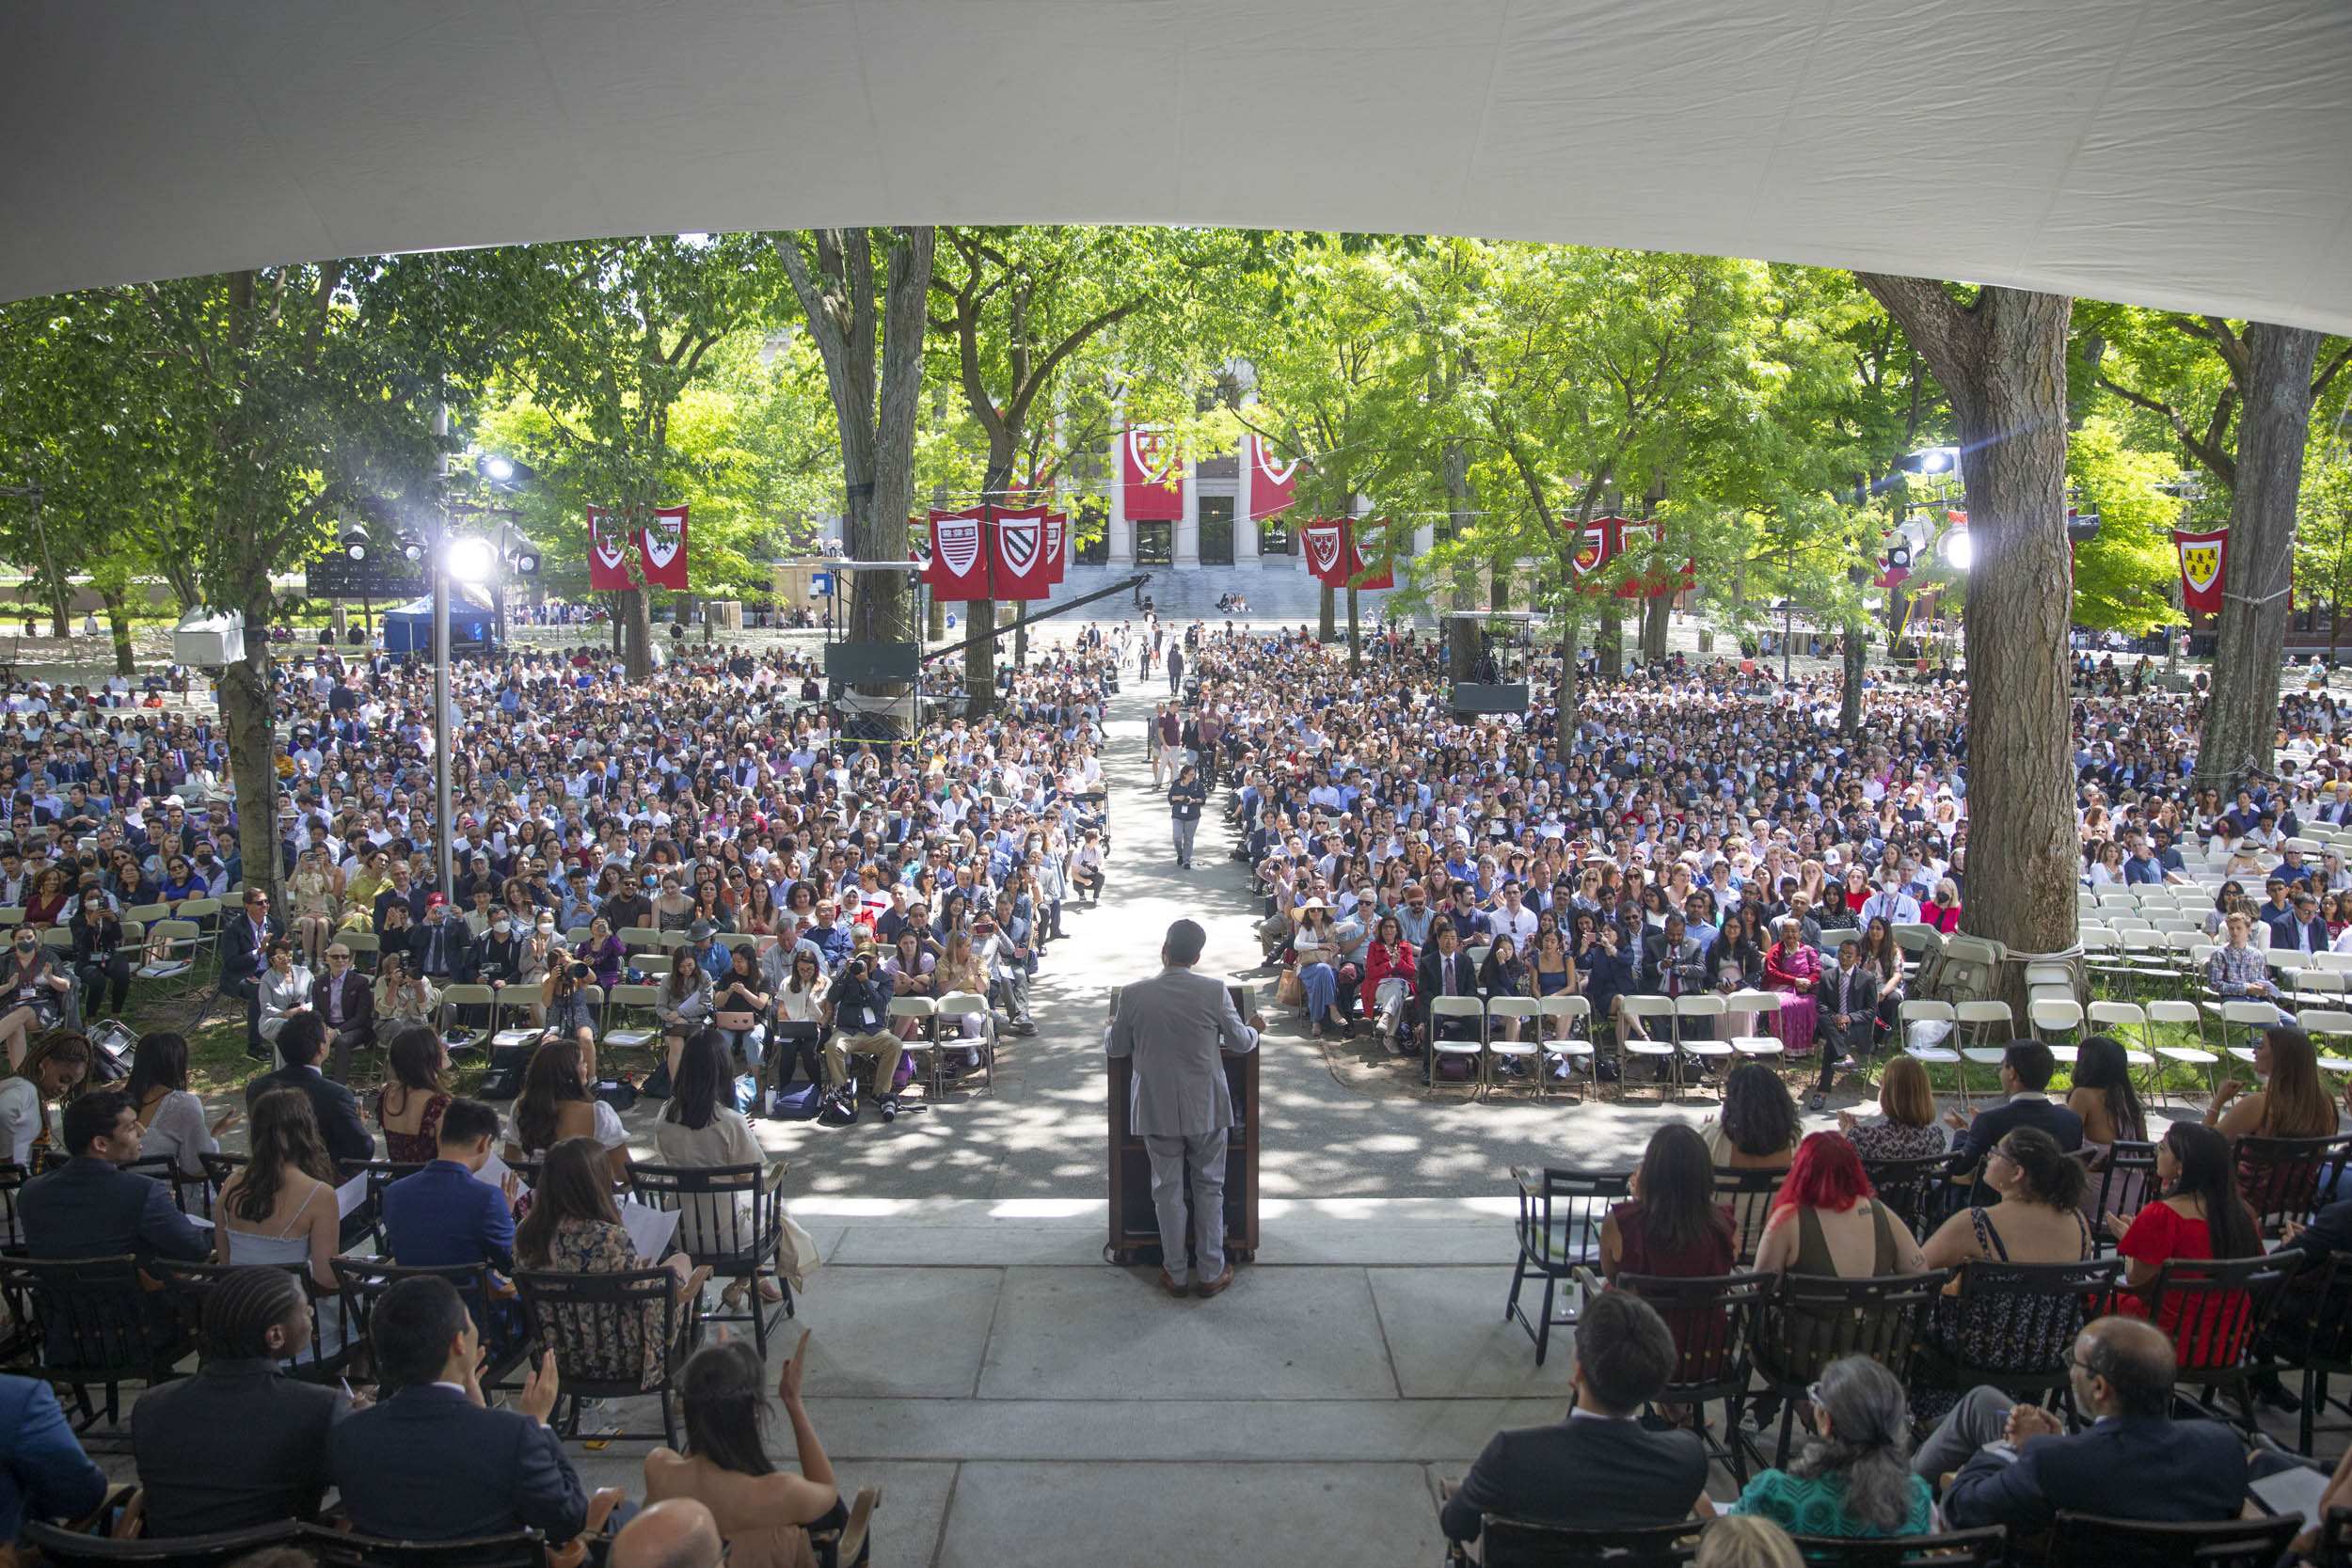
x=1245 y=531
x=1187 y=541
x=1119 y=537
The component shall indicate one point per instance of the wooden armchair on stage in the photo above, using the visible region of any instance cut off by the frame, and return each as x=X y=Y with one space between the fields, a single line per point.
x=1135 y=1226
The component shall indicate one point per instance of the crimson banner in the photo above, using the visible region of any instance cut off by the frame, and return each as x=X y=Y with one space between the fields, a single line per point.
x=1018 y=552
x=1599 y=547
x=2203 y=558
x=959 y=568
x=1273 y=485
x=664 y=549
x=1327 y=552
x=608 y=551
x=1148 y=468
x=1057 y=546
x=1360 y=574
x=1644 y=538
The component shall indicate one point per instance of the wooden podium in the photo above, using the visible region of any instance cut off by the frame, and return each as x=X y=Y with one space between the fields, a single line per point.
x=1135 y=1223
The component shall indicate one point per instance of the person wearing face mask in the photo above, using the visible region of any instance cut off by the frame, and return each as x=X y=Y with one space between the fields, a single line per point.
x=34 y=988
x=97 y=955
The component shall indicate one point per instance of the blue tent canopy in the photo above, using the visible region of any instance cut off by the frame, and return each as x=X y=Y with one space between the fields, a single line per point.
x=409 y=628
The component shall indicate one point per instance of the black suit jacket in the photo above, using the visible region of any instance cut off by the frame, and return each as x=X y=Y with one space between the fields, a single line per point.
x=429 y=1464
x=358 y=1002
x=1990 y=1126
x=275 y=1469
x=1587 y=1473
x=92 y=1209
x=1426 y=982
x=241 y=958
x=347 y=1137
x=2158 y=1470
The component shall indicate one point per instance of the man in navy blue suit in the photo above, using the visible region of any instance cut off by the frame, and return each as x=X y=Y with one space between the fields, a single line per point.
x=445 y=1214
x=2026 y=1070
x=432 y=1462
x=2019 y=1466
x=244 y=954
x=94 y=1209
x=43 y=1472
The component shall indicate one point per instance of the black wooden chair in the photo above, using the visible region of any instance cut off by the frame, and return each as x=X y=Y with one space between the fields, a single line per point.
x=12 y=1179
x=2281 y=1178
x=2092 y=1538
x=2033 y=1311
x=1710 y=1317
x=1749 y=1194
x=497 y=1314
x=731 y=1220
x=615 y=1336
x=1962 y=1548
x=2335 y=1539
x=188 y=1283
x=1911 y=1188
x=1559 y=1232
x=334 y=1548
x=2311 y=1330
x=1813 y=1320
x=380 y=1174
x=1516 y=1543
x=64 y=1548
x=2125 y=1184
x=94 y=1325
x=2216 y=1311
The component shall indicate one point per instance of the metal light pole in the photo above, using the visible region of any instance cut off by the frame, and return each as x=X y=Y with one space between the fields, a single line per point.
x=444 y=828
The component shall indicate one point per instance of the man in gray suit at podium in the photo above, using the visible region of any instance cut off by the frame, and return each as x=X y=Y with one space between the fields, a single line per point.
x=1174 y=1026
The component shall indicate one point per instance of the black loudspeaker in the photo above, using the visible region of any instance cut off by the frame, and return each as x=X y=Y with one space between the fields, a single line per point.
x=505 y=1078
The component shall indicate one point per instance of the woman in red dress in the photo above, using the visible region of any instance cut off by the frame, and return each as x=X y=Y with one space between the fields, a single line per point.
x=1792 y=969
x=2200 y=1215
x=1390 y=957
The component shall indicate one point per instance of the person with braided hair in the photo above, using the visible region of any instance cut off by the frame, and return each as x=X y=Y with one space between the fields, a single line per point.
x=254 y=1319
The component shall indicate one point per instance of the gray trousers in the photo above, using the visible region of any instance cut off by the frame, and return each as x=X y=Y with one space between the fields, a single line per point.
x=1981 y=1417
x=1205 y=1153
x=1184 y=828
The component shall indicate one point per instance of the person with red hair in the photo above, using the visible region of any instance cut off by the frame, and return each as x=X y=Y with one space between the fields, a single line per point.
x=1826 y=1221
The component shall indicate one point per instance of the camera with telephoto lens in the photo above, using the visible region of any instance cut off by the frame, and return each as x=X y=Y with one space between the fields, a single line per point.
x=579 y=972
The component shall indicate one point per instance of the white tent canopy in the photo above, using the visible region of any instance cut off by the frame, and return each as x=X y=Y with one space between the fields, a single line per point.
x=2175 y=152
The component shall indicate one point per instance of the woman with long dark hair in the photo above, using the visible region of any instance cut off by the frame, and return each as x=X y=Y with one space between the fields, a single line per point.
x=2104 y=1097
x=1671 y=1224
x=701 y=1129
x=2292 y=1102
x=764 y=1513
x=279 y=1210
x=573 y=1228
x=408 y=1108
x=555 y=1105
x=1757 y=1128
x=2200 y=1215
x=172 y=1116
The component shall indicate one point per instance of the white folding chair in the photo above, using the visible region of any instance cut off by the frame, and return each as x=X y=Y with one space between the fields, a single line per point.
x=1524 y=1049
x=2171 y=1011
x=1475 y=1050
x=1712 y=1008
x=1747 y=1012
x=1631 y=1045
x=1563 y=1043
x=1977 y=1022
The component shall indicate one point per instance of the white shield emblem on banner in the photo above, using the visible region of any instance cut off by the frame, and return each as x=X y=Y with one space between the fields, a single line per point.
x=956 y=541
x=1596 y=542
x=1277 y=473
x=1153 y=451
x=610 y=542
x=663 y=542
x=2201 y=565
x=1019 y=537
x=1054 y=527
x=1323 y=544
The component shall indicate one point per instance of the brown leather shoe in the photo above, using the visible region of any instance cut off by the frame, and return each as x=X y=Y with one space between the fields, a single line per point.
x=1208 y=1288
x=1170 y=1285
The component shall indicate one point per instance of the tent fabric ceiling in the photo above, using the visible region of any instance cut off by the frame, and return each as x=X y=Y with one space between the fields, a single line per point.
x=2170 y=152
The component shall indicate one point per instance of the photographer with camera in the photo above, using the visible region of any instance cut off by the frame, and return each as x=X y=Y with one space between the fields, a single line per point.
x=861 y=1016
x=565 y=1005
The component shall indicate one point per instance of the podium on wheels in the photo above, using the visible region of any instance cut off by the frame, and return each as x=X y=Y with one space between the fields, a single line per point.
x=1135 y=1225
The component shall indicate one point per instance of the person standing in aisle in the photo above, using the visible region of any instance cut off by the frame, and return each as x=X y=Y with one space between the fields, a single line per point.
x=1185 y=800
x=1175 y=668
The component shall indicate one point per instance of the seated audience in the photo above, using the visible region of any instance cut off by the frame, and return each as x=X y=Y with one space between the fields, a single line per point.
x=2200 y=1215
x=55 y=1066
x=445 y=1215
x=2109 y=1106
x=302 y=1042
x=254 y=1320
x=410 y=1105
x=701 y=1129
x=1826 y=1223
x=1851 y=1477
x=555 y=1104
x=2292 y=1102
x=2133 y=1462
x=92 y=1208
x=573 y=1228
x=172 y=1117
x=1601 y=1468
x=432 y=1461
x=2026 y=1070
x=765 y=1514
x=1671 y=1224
x=279 y=1210
x=1757 y=1128
x=1905 y=1126
x=43 y=1472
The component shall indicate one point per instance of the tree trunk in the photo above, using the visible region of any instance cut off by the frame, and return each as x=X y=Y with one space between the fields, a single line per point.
x=979 y=659
x=118 y=619
x=1355 y=634
x=2241 y=715
x=1327 y=613
x=1455 y=466
x=1498 y=585
x=1850 y=692
x=1655 y=620
x=1609 y=639
x=2002 y=361
x=1564 y=741
x=636 y=619
x=246 y=714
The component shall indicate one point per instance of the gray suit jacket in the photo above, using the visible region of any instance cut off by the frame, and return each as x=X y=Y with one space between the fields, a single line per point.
x=1175 y=1026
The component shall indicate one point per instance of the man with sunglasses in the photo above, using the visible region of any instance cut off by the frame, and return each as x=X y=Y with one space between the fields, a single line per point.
x=245 y=948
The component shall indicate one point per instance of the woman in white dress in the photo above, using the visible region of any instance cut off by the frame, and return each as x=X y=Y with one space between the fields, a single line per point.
x=555 y=1104
x=172 y=1116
